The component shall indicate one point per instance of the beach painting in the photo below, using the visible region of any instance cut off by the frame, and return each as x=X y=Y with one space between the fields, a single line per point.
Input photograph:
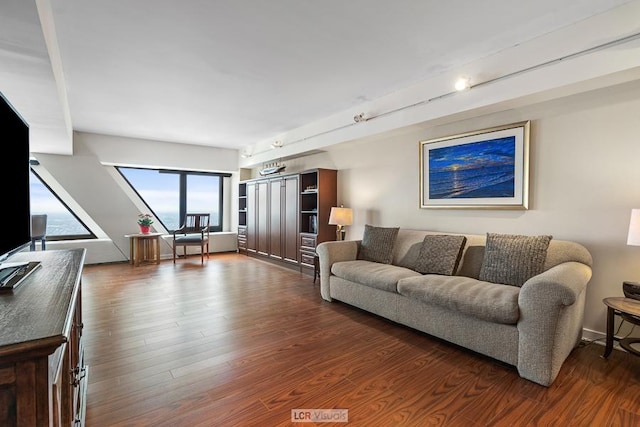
x=481 y=169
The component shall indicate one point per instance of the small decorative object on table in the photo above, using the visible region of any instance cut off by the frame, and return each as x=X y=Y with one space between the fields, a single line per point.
x=631 y=290
x=145 y=221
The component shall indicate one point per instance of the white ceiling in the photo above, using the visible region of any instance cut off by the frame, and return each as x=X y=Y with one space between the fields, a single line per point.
x=238 y=74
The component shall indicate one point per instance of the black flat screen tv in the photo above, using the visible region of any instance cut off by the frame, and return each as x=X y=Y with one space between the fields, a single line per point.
x=14 y=181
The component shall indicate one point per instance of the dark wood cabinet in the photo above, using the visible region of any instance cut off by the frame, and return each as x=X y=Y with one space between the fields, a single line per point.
x=318 y=194
x=290 y=219
x=276 y=201
x=43 y=375
x=308 y=245
x=272 y=218
x=283 y=230
x=258 y=217
x=278 y=210
x=262 y=217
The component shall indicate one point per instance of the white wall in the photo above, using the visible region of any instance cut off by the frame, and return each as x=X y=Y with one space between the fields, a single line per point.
x=584 y=182
x=100 y=195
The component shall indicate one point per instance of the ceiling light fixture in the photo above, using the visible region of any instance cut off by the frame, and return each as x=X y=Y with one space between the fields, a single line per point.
x=277 y=144
x=463 y=83
x=360 y=118
x=245 y=154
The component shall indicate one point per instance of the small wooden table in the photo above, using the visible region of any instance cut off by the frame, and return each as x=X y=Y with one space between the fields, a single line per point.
x=144 y=247
x=629 y=310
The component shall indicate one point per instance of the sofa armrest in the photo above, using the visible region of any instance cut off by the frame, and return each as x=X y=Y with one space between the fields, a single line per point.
x=551 y=316
x=331 y=252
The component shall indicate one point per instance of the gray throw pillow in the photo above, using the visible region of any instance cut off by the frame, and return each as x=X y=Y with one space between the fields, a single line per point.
x=440 y=254
x=513 y=259
x=377 y=244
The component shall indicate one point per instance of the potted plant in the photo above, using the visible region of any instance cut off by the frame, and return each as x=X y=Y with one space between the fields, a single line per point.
x=145 y=221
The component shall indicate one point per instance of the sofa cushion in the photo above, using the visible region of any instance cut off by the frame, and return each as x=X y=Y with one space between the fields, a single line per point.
x=377 y=244
x=483 y=300
x=513 y=259
x=440 y=254
x=373 y=274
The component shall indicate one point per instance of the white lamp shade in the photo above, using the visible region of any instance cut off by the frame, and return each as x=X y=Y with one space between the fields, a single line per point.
x=341 y=216
x=634 y=228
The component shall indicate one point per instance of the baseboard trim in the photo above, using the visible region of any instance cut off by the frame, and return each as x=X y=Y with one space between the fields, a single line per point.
x=591 y=335
x=596 y=337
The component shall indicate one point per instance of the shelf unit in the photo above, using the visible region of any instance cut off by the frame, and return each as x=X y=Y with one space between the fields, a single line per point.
x=242 y=217
x=318 y=194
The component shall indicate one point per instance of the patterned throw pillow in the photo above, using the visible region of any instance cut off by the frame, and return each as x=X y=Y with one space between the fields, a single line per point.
x=513 y=259
x=440 y=254
x=377 y=244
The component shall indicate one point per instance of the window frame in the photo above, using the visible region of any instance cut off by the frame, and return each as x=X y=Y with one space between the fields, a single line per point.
x=63 y=237
x=182 y=189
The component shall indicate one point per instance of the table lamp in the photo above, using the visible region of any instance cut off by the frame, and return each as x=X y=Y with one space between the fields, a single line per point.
x=340 y=217
x=632 y=289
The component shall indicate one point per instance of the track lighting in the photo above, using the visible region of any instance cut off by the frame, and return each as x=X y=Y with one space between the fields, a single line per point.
x=359 y=118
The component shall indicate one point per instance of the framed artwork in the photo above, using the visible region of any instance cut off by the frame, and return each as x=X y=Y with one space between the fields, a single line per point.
x=485 y=169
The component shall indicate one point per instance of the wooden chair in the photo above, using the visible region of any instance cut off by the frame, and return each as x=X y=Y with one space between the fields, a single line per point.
x=193 y=232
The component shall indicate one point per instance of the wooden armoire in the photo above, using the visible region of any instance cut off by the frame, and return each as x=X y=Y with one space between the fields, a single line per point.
x=283 y=218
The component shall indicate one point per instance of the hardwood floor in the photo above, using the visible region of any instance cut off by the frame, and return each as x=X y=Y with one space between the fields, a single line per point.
x=240 y=342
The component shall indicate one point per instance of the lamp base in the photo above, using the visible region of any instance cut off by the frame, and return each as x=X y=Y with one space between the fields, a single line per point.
x=340 y=233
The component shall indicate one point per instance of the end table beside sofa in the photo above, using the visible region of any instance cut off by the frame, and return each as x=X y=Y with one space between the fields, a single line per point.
x=628 y=309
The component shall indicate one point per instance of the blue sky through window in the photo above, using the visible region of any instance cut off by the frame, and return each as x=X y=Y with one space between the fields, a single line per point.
x=60 y=222
x=161 y=192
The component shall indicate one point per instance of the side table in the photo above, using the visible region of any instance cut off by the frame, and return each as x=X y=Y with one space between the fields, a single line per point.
x=144 y=247
x=629 y=310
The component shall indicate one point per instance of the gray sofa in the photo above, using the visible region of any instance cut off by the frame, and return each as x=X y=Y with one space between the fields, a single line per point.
x=533 y=327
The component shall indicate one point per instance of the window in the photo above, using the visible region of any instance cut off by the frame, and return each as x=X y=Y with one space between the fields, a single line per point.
x=171 y=194
x=62 y=224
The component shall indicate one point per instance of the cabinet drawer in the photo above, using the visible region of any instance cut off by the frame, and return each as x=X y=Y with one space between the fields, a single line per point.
x=242 y=243
x=242 y=231
x=308 y=241
x=307 y=258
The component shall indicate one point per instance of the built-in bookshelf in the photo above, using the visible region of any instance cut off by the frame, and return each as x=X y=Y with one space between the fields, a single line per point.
x=309 y=203
x=242 y=217
x=318 y=193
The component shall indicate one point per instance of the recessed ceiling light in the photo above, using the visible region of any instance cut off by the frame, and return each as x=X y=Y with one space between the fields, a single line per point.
x=463 y=83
